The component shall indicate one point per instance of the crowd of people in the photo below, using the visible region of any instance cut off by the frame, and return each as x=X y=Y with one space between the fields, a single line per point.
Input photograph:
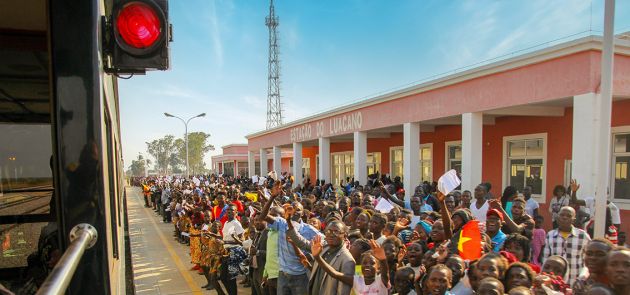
x=375 y=238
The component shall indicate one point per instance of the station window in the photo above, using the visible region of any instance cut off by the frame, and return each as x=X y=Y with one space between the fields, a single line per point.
x=228 y=168
x=306 y=167
x=242 y=169
x=621 y=161
x=454 y=156
x=373 y=162
x=425 y=156
x=342 y=166
x=426 y=162
x=396 y=156
x=525 y=162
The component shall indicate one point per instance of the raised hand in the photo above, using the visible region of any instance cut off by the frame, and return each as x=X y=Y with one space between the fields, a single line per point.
x=415 y=236
x=276 y=190
x=316 y=246
x=574 y=185
x=288 y=212
x=494 y=204
x=401 y=254
x=440 y=196
x=442 y=251
x=402 y=222
x=377 y=251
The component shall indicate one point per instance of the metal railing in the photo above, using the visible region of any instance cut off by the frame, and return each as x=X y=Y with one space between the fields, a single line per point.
x=82 y=236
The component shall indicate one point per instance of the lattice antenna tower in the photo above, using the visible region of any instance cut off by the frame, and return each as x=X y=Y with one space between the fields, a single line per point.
x=274 y=106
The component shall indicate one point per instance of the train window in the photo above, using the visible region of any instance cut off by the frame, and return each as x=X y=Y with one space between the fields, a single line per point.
x=29 y=241
x=111 y=175
x=19 y=241
x=25 y=173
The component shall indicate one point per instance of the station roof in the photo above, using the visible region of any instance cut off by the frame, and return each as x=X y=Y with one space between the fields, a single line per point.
x=588 y=43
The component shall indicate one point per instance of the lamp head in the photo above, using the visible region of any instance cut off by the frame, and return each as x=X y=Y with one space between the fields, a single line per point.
x=201 y=115
x=168 y=115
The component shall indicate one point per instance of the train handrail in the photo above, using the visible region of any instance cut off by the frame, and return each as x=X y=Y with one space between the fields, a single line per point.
x=83 y=236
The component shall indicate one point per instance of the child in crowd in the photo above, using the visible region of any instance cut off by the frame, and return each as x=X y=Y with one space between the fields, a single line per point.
x=538 y=240
x=403 y=281
x=211 y=253
x=556 y=265
x=375 y=274
x=358 y=247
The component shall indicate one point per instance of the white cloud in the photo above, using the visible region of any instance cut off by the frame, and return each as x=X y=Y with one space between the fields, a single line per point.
x=290 y=34
x=542 y=26
x=172 y=90
x=255 y=101
x=215 y=34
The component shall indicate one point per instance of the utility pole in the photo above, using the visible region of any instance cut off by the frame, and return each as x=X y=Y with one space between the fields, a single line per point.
x=274 y=106
x=603 y=119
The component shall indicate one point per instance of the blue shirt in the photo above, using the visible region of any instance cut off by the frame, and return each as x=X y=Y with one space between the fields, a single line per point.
x=508 y=208
x=498 y=240
x=423 y=208
x=289 y=261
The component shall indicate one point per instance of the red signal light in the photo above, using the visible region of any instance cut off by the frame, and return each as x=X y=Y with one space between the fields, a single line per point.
x=137 y=36
x=139 y=25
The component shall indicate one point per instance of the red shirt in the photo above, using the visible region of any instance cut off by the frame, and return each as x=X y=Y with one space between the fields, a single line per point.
x=216 y=213
x=239 y=206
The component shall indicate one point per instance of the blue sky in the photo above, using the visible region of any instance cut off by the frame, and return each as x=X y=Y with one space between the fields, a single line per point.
x=333 y=52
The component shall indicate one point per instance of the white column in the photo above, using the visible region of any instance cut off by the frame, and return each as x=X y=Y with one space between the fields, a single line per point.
x=263 y=163
x=472 y=131
x=324 y=159
x=277 y=160
x=585 y=135
x=297 y=163
x=411 y=158
x=360 y=157
x=235 y=168
x=251 y=164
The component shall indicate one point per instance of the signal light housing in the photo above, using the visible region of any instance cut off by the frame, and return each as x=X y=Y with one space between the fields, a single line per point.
x=139 y=36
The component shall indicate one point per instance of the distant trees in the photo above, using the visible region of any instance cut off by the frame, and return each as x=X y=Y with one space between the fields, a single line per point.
x=161 y=150
x=197 y=149
x=137 y=167
x=170 y=153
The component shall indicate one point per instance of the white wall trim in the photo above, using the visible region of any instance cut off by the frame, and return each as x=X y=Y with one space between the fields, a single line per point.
x=539 y=198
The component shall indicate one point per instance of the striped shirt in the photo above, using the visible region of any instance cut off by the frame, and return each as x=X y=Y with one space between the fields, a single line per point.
x=570 y=248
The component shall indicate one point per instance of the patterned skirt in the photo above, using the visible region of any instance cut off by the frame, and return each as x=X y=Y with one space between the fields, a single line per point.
x=195 y=245
x=211 y=253
x=234 y=261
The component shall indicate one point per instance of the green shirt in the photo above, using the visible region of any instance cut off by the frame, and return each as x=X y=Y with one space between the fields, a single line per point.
x=271 y=264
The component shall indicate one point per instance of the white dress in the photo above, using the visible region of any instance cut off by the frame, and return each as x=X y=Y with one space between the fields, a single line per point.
x=376 y=288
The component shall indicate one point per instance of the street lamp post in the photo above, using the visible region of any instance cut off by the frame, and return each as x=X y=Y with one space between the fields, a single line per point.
x=186 y=134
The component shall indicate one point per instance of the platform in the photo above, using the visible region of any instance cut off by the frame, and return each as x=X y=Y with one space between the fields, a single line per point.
x=161 y=265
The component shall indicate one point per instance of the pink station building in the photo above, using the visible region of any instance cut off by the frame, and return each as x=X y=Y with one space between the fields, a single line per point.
x=526 y=120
